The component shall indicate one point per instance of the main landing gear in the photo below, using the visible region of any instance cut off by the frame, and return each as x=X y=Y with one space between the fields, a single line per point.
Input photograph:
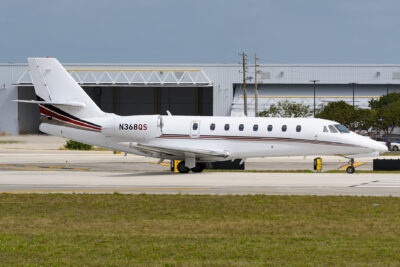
x=183 y=169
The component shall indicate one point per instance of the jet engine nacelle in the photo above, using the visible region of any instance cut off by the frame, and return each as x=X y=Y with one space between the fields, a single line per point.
x=135 y=127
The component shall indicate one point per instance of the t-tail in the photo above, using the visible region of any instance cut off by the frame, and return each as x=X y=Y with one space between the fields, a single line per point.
x=60 y=98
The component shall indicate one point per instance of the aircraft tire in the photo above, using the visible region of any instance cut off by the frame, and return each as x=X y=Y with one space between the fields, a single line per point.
x=395 y=148
x=182 y=168
x=199 y=167
x=350 y=169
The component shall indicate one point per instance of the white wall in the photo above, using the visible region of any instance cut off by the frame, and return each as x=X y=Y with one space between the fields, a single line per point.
x=8 y=108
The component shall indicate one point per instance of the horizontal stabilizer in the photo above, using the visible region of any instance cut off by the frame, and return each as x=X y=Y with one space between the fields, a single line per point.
x=71 y=103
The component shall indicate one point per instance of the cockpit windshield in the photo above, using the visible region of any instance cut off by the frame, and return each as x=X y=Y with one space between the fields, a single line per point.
x=332 y=129
x=342 y=128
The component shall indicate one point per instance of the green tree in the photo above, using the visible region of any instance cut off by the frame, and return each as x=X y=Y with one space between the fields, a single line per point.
x=77 y=145
x=338 y=111
x=386 y=112
x=364 y=119
x=351 y=117
x=287 y=109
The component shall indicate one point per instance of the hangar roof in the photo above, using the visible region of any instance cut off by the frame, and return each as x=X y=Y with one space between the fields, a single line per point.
x=220 y=74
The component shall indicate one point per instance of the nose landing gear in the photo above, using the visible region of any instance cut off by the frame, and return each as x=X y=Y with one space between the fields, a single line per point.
x=351 y=169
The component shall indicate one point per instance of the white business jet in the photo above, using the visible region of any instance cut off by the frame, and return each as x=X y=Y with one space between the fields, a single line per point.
x=67 y=111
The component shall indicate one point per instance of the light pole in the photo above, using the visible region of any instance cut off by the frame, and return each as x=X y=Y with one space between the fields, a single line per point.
x=353 y=84
x=354 y=105
x=387 y=92
x=387 y=105
x=314 y=81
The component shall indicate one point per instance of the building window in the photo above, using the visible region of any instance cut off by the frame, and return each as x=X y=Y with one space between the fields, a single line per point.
x=195 y=126
x=212 y=126
x=241 y=127
x=226 y=127
x=284 y=128
x=269 y=128
x=298 y=128
x=255 y=127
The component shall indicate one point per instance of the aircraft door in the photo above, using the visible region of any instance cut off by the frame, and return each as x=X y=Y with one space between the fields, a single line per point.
x=195 y=129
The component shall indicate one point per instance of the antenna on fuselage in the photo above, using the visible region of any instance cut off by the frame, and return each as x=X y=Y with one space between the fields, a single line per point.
x=169 y=113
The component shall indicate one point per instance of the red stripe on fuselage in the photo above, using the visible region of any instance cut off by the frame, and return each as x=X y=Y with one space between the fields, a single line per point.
x=50 y=113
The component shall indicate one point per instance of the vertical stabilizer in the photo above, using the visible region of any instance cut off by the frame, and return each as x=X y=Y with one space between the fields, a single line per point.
x=54 y=84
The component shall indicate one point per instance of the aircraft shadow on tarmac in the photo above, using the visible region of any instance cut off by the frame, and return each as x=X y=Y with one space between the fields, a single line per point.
x=144 y=174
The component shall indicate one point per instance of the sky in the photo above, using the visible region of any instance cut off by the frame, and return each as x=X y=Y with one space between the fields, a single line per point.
x=205 y=31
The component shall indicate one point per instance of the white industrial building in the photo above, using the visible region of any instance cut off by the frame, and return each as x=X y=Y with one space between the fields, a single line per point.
x=197 y=89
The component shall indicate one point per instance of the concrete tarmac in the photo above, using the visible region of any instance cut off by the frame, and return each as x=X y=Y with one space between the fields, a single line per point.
x=36 y=165
x=69 y=181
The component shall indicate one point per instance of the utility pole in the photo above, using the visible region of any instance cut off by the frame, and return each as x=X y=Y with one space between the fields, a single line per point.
x=255 y=87
x=244 y=83
x=315 y=106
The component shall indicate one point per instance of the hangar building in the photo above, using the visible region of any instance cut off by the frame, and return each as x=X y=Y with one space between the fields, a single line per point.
x=197 y=89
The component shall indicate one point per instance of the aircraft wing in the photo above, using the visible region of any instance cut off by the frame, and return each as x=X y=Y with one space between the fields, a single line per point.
x=177 y=151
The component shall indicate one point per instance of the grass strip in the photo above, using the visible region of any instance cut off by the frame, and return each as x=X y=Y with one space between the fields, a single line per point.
x=2 y=142
x=187 y=230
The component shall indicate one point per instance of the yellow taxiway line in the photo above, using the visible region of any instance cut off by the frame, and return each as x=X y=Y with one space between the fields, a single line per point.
x=27 y=169
x=130 y=70
x=38 y=168
x=102 y=190
x=162 y=163
x=134 y=70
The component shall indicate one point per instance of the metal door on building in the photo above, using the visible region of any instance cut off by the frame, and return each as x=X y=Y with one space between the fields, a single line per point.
x=195 y=129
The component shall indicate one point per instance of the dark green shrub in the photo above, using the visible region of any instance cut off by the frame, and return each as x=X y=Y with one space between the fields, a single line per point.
x=77 y=146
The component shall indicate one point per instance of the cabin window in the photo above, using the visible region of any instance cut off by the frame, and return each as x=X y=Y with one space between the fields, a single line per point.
x=342 y=128
x=255 y=127
x=325 y=129
x=298 y=128
x=212 y=126
x=226 y=127
x=284 y=128
x=195 y=126
x=269 y=128
x=332 y=129
x=241 y=127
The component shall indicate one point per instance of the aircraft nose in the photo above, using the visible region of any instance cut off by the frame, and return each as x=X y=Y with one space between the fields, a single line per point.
x=381 y=148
